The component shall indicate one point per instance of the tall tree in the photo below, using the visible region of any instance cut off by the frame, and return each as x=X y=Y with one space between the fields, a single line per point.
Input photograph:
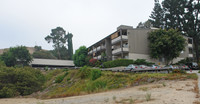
x=192 y=23
x=70 y=45
x=146 y=24
x=156 y=17
x=58 y=37
x=184 y=16
x=174 y=11
x=167 y=44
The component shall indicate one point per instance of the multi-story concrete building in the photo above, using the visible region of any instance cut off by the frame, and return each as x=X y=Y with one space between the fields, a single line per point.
x=130 y=43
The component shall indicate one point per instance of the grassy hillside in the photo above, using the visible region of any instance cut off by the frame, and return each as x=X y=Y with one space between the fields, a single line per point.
x=62 y=83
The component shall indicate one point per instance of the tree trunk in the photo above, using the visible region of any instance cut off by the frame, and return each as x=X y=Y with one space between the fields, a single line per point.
x=196 y=48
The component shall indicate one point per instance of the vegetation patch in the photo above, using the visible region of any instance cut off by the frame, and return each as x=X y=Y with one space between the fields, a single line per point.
x=19 y=81
x=87 y=80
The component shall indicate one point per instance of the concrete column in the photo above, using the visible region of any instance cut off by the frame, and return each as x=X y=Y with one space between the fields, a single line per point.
x=122 y=54
x=108 y=49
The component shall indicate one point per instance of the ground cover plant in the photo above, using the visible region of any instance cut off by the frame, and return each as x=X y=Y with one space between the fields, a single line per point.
x=87 y=80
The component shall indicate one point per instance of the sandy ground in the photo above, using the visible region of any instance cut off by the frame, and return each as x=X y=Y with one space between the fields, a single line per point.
x=164 y=92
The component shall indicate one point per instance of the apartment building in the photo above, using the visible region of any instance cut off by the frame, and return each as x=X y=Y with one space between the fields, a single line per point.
x=129 y=43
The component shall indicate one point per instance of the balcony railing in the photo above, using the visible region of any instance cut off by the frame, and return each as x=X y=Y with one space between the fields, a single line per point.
x=118 y=50
x=90 y=52
x=98 y=48
x=99 y=57
x=116 y=40
x=189 y=45
x=190 y=55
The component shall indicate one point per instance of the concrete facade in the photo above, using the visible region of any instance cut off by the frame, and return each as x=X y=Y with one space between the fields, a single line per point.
x=130 y=43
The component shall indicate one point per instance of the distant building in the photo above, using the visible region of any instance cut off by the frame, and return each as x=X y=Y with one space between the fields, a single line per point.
x=51 y=63
x=130 y=43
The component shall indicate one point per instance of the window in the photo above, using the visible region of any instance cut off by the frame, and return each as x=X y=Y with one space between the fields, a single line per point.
x=190 y=51
x=189 y=41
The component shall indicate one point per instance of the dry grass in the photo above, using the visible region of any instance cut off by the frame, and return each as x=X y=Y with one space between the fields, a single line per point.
x=188 y=84
x=179 y=89
x=144 y=88
x=128 y=101
x=157 y=86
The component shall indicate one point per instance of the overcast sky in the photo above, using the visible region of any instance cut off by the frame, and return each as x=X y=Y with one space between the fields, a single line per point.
x=28 y=22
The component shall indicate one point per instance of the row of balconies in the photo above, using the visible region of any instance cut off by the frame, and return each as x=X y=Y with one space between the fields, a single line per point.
x=97 y=49
x=118 y=39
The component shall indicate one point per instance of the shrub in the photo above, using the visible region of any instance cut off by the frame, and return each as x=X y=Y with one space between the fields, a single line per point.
x=22 y=81
x=148 y=96
x=61 y=77
x=95 y=73
x=87 y=72
x=96 y=85
x=92 y=62
x=179 y=71
x=6 y=92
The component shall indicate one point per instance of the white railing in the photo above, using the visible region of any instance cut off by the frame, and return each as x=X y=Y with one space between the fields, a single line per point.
x=98 y=48
x=99 y=57
x=118 y=50
x=124 y=37
x=190 y=55
x=90 y=52
x=189 y=45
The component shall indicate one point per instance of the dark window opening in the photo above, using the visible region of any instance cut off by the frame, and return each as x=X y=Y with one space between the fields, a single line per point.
x=189 y=41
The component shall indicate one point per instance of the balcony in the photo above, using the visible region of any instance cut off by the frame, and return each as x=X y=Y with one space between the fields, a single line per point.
x=90 y=52
x=118 y=39
x=99 y=57
x=103 y=47
x=190 y=45
x=190 y=55
x=118 y=50
x=98 y=48
x=94 y=50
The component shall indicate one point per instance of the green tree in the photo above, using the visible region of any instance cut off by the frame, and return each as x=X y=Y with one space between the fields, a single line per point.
x=70 y=45
x=146 y=24
x=174 y=11
x=43 y=54
x=63 y=53
x=182 y=15
x=156 y=17
x=37 y=48
x=58 y=37
x=167 y=44
x=80 y=56
x=17 y=55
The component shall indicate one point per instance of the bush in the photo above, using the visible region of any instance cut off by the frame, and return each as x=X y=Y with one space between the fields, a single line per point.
x=61 y=77
x=92 y=62
x=95 y=73
x=116 y=63
x=87 y=72
x=179 y=71
x=95 y=86
x=20 y=81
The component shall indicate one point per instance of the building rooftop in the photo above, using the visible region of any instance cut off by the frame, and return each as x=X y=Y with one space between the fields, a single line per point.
x=52 y=62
